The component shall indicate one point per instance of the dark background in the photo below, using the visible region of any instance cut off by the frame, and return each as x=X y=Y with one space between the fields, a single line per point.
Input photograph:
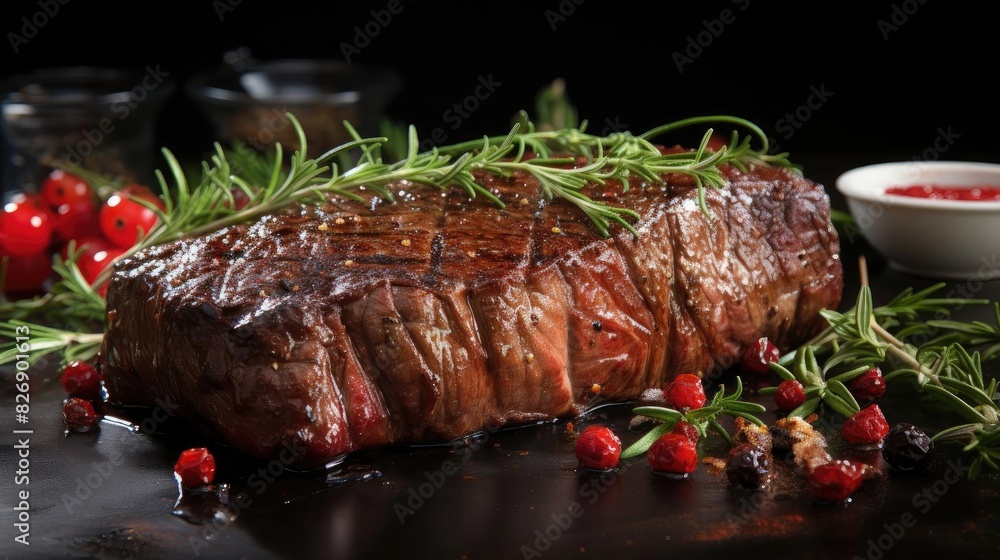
x=892 y=90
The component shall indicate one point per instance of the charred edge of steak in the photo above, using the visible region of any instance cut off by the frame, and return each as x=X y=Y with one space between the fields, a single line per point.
x=354 y=326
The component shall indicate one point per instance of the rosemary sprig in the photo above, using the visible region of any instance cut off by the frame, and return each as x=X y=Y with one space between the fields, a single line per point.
x=191 y=212
x=270 y=184
x=72 y=302
x=946 y=368
x=973 y=333
x=45 y=340
x=702 y=419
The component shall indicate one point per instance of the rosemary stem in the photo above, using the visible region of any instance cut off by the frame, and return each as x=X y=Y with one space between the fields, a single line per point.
x=897 y=348
x=825 y=337
x=83 y=338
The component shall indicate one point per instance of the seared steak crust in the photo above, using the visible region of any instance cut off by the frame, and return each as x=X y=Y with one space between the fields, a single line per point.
x=353 y=326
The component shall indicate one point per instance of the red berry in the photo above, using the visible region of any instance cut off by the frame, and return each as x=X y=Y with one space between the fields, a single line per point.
x=865 y=427
x=25 y=276
x=598 y=448
x=195 y=467
x=791 y=394
x=673 y=453
x=25 y=227
x=61 y=188
x=869 y=386
x=687 y=430
x=685 y=392
x=124 y=220
x=81 y=379
x=836 y=481
x=75 y=220
x=758 y=356
x=96 y=255
x=79 y=414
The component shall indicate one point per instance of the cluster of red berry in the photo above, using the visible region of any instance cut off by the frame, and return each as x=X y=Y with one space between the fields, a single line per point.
x=34 y=227
x=839 y=479
x=85 y=386
x=82 y=413
x=675 y=452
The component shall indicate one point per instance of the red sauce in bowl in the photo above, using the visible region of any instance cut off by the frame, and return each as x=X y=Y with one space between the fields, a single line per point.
x=941 y=192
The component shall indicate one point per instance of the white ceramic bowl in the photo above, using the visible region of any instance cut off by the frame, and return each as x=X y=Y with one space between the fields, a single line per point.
x=933 y=238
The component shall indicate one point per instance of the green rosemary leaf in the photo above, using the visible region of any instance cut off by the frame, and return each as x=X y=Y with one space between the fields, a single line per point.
x=720 y=430
x=976 y=468
x=781 y=371
x=742 y=407
x=45 y=341
x=960 y=433
x=864 y=315
x=989 y=437
x=839 y=389
x=702 y=414
x=970 y=392
x=642 y=444
x=988 y=461
x=737 y=392
x=838 y=404
x=904 y=372
x=958 y=405
x=746 y=416
x=850 y=374
x=815 y=391
x=806 y=408
x=658 y=413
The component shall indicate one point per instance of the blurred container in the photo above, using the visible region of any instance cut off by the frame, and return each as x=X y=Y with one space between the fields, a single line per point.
x=102 y=119
x=246 y=101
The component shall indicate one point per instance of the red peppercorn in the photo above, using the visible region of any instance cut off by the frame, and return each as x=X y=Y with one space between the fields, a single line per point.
x=836 y=481
x=869 y=386
x=757 y=358
x=687 y=430
x=598 y=448
x=81 y=379
x=79 y=415
x=685 y=392
x=791 y=394
x=673 y=453
x=195 y=467
x=865 y=427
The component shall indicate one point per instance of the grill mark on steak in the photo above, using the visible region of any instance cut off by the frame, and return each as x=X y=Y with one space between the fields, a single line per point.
x=437 y=252
x=432 y=320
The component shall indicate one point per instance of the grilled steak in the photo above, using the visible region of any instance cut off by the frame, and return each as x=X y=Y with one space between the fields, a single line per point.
x=336 y=328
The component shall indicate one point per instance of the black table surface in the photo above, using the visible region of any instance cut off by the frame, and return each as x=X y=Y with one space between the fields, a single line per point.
x=510 y=494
